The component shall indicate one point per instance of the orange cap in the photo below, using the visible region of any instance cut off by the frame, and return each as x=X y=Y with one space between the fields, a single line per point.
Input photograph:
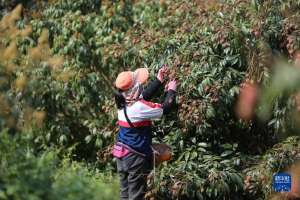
x=127 y=79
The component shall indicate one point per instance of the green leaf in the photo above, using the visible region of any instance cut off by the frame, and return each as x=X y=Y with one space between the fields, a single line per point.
x=62 y=139
x=88 y=139
x=99 y=142
x=210 y=112
x=226 y=153
x=202 y=144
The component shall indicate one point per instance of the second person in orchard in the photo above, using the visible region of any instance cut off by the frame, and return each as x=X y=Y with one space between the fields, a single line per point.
x=135 y=111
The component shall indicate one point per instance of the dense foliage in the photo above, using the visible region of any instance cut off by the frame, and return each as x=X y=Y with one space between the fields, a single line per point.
x=60 y=58
x=25 y=174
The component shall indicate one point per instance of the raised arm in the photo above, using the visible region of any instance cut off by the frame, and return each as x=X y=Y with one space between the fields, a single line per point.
x=170 y=97
x=151 y=89
x=154 y=86
x=152 y=110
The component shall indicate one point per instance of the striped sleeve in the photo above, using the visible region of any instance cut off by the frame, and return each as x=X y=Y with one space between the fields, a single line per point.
x=150 y=110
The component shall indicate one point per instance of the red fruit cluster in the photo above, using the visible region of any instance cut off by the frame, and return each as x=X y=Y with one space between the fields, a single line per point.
x=190 y=111
x=105 y=155
x=222 y=39
x=290 y=35
x=214 y=92
x=290 y=45
x=256 y=32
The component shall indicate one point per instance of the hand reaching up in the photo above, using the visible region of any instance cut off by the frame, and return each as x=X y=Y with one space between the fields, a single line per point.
x=172 y=85
x=162 y=73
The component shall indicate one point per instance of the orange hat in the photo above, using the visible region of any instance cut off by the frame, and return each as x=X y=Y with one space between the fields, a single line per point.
x=127 y=79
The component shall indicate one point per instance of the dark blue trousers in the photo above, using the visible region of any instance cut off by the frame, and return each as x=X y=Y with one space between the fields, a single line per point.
x=133 y=170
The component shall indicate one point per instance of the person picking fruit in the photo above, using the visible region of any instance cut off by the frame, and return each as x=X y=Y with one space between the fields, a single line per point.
x=133 y=149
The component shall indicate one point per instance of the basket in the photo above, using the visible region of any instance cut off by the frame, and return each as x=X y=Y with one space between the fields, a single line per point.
x=162 y=152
